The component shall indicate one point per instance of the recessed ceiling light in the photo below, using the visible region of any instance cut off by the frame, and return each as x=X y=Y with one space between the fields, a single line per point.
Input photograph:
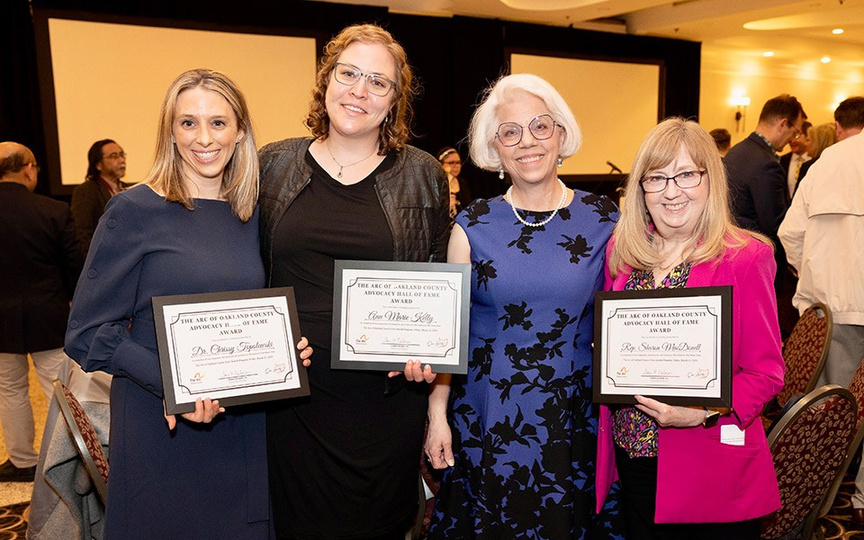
x=837 y=31
x=768 y=53
x=826 y=59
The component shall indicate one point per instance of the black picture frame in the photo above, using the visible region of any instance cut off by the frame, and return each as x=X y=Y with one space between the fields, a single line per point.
x=651 y=314
x=231 y=311
x=449 y=357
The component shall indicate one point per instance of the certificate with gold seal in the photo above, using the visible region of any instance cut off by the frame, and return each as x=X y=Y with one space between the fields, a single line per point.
x=386 y=313
x=674 y=345
x=238 y=347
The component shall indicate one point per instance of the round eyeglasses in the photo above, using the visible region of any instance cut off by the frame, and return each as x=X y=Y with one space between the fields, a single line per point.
x=377 y=85
x=541 y=127
x=655 y=183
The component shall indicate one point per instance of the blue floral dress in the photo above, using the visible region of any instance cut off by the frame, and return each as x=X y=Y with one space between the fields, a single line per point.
x=524 y=428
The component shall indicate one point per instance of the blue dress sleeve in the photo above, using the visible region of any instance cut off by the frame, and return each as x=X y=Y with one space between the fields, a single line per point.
x=99 y=336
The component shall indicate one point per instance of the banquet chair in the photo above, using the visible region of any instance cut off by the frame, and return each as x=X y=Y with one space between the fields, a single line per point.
x=805 y=351
x=857 y=389
x=804 y=356
x=86 y=440
x=809 y=445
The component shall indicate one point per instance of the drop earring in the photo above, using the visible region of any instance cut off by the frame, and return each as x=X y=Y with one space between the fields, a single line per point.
x=501 y=173
x=560 y=162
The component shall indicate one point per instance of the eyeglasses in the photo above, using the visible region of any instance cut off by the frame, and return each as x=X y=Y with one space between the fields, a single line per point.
x=377 y=85
x=656 y=183
x=35 y=166
x=541 y=127
x=115 y=155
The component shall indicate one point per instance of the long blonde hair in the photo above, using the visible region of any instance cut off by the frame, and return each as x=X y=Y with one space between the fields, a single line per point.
x=715 y=229
x=240 y=179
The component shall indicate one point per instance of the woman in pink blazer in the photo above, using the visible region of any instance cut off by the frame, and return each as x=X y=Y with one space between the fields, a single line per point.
x=693 y=472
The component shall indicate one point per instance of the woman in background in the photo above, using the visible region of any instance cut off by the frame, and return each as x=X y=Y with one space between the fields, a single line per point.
x=191 y=227
x=690 y=472
x=460 y=195
x=820 y=137
x=519 y=446
x=344 y=462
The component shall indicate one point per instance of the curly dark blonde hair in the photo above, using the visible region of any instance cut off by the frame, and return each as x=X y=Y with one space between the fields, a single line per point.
x=396 y=128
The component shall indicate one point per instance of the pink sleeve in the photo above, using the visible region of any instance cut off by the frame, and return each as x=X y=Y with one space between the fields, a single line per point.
x=757 y=356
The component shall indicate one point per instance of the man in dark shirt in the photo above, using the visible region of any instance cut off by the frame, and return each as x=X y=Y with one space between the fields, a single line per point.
x=41 y=264
x=106 y=165
x=759 y=188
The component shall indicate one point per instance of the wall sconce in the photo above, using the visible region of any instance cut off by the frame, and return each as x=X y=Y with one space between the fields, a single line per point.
x=740 y=102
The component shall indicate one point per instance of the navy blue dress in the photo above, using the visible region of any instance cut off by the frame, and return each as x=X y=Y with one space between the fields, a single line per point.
x=522 y=423
x=206 y=481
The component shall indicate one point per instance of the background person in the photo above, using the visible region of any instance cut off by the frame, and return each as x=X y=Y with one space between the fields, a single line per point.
x=759 y=189
x=460 y=195
x=192 y=227
x=521 y=450
x=106 y=165
x=41 y=263
x=680 y=469
x=822 y=233
x=723 y=140
x=819 y=138
x=799 y=154
x=344 y=462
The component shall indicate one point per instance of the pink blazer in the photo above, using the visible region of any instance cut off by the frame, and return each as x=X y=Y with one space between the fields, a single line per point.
x=700 y=479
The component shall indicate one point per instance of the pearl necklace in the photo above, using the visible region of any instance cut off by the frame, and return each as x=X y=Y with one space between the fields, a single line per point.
x=548 y=219
x=339 y=174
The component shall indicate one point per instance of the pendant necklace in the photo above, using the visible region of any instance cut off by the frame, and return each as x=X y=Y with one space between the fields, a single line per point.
x=548 y=219
x=339 y=174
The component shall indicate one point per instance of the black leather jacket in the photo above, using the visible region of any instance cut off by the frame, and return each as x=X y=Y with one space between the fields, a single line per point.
x=413 y=193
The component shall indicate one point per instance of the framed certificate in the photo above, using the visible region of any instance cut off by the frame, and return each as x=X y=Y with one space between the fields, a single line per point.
x=386 y=313
x=674 y=345
x=238 y=347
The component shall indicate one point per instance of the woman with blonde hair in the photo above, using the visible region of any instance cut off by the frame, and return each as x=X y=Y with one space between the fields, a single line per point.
x=820 y=137
x=344 y=462
x=191 y=227
x=680 y=467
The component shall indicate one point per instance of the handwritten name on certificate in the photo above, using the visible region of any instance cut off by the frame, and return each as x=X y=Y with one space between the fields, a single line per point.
x=396 y=312
x=232 y=349
x=667 y=344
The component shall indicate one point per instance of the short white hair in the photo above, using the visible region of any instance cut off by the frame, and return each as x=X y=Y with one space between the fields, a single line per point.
x=485 y=122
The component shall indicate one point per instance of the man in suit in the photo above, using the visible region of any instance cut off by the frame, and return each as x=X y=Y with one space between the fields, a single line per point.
x=41 y=264
x=822 y=234
x=795 y=158
x=759 y=188
x=106 y=165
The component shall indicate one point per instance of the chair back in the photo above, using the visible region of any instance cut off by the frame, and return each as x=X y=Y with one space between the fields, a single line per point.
x=805 y=351
x=857 y=389
x=85 y=438
x=809 y=445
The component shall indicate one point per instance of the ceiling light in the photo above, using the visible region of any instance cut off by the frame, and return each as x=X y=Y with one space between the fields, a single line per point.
x=768 y=53
x=826 y=59
x=837 y=31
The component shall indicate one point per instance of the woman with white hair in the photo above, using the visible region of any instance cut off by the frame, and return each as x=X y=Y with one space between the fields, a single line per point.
x=519 y=443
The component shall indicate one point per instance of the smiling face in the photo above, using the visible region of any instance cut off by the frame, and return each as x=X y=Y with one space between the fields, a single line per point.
x=352 y=110
x=452 y=163
x=530 y=161
x=205 y=131
x=676 y=211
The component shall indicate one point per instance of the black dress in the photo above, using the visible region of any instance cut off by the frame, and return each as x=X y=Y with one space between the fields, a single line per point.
x=343 y=462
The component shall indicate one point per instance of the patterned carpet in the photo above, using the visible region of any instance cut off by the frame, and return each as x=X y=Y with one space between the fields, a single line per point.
x=13 y=525
x=836 y=525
